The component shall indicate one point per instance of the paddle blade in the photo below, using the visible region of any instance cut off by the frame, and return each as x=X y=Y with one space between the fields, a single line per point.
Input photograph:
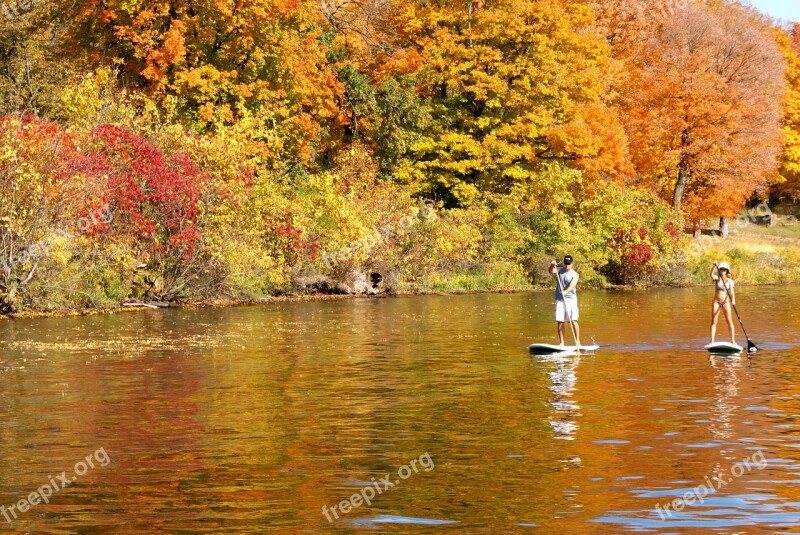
x=751 y=347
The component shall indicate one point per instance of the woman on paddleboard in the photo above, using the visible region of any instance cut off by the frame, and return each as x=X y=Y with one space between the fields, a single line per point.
x=724 y=297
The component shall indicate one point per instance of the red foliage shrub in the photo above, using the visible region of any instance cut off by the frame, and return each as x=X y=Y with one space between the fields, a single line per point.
x=155 y=197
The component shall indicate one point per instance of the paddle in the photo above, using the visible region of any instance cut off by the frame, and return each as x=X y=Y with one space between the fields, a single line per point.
x=568 y=312
x=751 y=347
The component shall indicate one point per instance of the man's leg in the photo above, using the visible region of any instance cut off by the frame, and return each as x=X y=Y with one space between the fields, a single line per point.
x=572 y=310
x=560 y=317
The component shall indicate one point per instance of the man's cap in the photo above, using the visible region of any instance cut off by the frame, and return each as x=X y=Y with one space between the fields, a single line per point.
x=567 y=260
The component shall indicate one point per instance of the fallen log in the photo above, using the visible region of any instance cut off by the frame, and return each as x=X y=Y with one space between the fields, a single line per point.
x=143 y=305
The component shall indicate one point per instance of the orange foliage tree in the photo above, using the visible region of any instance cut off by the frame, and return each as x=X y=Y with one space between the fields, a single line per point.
x=219 y=61
x=627 y=24
x=789 y=186
x=702 y=108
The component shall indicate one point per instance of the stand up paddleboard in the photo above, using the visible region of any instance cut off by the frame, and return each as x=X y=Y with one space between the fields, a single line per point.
x=550 y=349
x=724 y=348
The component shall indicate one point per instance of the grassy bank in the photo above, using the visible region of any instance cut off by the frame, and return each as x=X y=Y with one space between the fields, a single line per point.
x=757 y=254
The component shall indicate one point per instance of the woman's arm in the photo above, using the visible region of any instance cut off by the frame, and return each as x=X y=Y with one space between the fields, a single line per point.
x=733 y=296
x=714 y=271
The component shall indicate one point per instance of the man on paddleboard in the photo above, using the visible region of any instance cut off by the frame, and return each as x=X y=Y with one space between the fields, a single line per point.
x=566 y=304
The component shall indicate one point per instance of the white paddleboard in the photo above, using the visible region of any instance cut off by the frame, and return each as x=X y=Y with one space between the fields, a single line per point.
x=550 y=349
x=724 y=348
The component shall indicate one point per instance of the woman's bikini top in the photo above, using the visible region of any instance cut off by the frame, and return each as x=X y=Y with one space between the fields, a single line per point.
x=722 y=286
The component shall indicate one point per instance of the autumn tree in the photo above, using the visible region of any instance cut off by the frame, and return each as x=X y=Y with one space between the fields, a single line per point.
x=43 y=190
x=702 y=108
x=32 y=73
x=258 y=59
x=789 y=186
x=511 y=84
x=628 y=24
x=366 y=27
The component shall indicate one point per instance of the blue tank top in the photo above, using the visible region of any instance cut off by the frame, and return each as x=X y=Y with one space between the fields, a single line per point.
x=566 y=279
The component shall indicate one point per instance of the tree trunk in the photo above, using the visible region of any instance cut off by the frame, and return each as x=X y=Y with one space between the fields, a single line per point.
x=677 y=195
x=724 y=229
x=683 y=173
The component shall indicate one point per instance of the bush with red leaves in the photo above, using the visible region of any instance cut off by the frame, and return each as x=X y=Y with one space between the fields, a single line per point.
x=155 y=198
x=631 y=256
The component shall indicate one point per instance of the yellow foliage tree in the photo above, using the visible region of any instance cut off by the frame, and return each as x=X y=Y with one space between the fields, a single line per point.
x=512 y=84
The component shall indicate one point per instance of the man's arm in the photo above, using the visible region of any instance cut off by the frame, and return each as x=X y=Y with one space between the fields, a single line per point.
x=572 y=284
x=553 y=267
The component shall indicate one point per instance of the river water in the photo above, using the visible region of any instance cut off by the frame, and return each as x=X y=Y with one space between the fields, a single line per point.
x=255 y=419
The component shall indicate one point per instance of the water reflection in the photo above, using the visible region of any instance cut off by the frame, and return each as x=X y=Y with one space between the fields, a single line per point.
x=726 y=392
x=251 y=420
x=563 y=380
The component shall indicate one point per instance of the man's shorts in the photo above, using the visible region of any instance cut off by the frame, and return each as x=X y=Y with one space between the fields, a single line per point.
x=571 y=310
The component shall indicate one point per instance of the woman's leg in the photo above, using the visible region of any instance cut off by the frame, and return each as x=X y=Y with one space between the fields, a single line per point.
x=714 y=315
x=729 y=317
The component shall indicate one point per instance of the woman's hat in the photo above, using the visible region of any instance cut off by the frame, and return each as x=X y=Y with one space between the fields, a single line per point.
x=724 y=265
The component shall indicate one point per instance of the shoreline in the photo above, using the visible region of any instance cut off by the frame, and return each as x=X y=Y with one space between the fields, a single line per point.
x=300 y=298
x=232 y=303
